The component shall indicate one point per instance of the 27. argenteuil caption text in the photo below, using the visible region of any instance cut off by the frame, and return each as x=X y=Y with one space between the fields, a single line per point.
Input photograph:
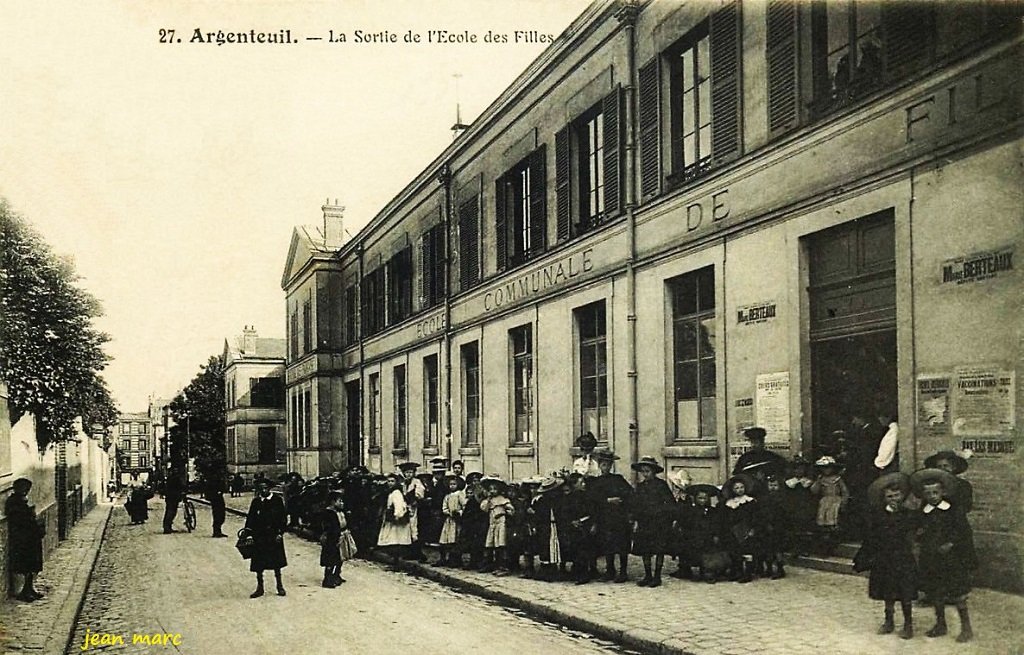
x=286 y=36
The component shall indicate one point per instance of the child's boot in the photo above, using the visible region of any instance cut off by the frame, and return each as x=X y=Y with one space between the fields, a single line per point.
x=940 y=622
x=908 y=621
x=966 y=633
x=887 y=627
x=780 y=571
x=748 y=572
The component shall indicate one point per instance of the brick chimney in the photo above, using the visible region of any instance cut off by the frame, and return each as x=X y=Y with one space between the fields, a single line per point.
x=249 y=340
x=334 y=227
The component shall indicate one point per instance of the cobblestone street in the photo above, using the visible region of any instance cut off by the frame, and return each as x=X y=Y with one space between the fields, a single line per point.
x=146 y=582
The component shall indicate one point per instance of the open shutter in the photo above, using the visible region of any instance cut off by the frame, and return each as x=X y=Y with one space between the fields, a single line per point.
x=440 y=261
x=562 y=187
x=907 y=32
x=538 y=201
x=425 y=268
x=612 y=139
x=649 y=118
x=782 y=79
x=500 y=225
x=725 y=87
x=469 y=246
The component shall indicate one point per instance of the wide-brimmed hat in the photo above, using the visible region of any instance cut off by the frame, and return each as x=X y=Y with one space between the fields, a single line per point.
x=475 y=476
x=439 y=464
x=534 y=480
x=921 y=477
x=748 y=484
x=605 y=454
x=755 y=432
x=876 y=490
x=449 y=477
x=647 y=461
x=406 y=466
x=550 y=484
x=959 y=463
x=493 y=480
x=827 y=460
x=709 y=489
x=586 y=440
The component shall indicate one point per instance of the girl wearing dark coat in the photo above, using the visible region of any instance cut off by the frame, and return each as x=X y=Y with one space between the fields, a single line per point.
x=544 y=535
x=474 y=522
x=776 y=532
x=26 y=538
x=612 y=496
x=580 y=521
x=138 y=505
x=947 y=549
x=698 y=523
x=266 y=524
x=336 y=542
x=740 y=527
x=888 y=550
x=653 y=506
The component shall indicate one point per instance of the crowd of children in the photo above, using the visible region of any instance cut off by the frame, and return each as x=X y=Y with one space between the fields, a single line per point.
x=562 y=526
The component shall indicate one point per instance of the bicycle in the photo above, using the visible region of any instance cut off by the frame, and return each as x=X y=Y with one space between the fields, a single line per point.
x=190 y=514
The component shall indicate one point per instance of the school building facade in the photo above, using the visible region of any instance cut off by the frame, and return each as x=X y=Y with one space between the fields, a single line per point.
x=682 y=220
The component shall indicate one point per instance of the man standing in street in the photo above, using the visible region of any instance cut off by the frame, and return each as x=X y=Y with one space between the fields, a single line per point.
x=174 y=489
x=214 y=494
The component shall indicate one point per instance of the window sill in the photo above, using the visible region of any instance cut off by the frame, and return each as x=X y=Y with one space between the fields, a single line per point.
x=469 y=451
x=430 y=450
x=519 y=451
x=373 y=450
x=400 y=452
x=697 y=450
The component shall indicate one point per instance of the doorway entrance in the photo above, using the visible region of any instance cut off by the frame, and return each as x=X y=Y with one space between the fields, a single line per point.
x=853 y=348
x=353 y=424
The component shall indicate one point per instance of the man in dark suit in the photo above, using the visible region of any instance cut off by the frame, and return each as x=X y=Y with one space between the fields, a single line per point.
x=174 y=489
x=758 y=458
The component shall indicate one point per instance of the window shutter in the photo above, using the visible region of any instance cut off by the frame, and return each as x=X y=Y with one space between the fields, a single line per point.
x=612 y=138
x=538 y=201
x=649 y=109
x=907 y=37
x=500 y=226
x=425 y=269
x=725 y=104
x=781 y=54
x=562 y=187
x=440 y=252
x=366 y=287
x=469 y=247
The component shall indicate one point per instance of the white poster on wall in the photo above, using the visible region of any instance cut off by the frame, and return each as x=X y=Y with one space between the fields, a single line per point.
x=771 y=402
x=983 y=401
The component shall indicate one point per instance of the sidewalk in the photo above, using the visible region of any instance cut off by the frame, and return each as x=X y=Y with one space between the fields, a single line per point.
x=808 y=612
x=46 y=625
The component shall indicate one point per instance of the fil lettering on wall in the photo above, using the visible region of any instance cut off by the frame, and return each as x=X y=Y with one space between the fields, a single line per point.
x=977 y=266
x=758 y=313
x=535 y=282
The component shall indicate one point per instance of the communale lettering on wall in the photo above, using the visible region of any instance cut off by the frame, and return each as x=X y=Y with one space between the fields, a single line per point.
x=977 y=267
x=537 y=281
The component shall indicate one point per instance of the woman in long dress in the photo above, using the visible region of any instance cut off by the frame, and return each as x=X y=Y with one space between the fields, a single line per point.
x=266 y=523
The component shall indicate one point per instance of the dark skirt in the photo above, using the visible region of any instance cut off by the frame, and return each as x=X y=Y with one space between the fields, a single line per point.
x=330 y=554
x=268 y=554
x=652 y=537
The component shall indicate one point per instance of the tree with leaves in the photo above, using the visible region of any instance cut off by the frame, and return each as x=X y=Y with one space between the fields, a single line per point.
x=51 y=354
x=198 y=430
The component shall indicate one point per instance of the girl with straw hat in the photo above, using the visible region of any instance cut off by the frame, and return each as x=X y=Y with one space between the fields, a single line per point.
x=653 y=505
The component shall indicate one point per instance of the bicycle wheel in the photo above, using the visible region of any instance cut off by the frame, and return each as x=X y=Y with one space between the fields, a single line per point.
x=190 y=515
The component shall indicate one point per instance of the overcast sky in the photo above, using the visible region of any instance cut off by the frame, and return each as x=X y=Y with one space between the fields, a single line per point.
x=174 y=172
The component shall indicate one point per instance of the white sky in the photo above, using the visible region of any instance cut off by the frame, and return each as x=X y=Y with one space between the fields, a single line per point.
x=173 y=173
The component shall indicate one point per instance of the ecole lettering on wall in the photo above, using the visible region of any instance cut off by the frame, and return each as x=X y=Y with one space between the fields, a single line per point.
x=430 y=325
x=302 y=369
x=537 y=281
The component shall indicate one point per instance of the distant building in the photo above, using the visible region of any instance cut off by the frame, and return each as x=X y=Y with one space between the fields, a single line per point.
x=254 y=404
x=134 y=440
